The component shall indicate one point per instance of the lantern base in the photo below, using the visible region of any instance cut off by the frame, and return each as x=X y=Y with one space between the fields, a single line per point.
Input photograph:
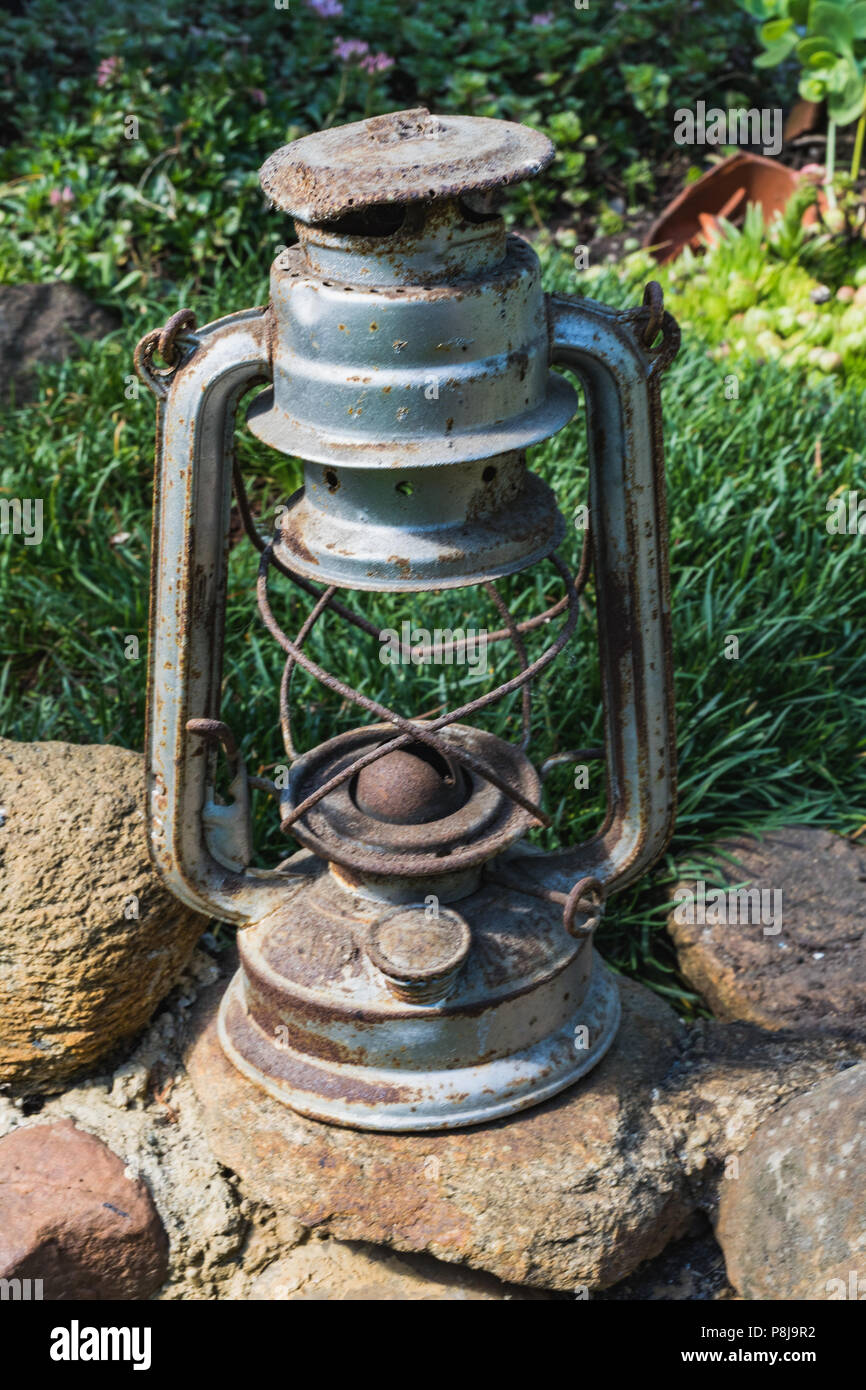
x=313 y=1020
x=449 y=1099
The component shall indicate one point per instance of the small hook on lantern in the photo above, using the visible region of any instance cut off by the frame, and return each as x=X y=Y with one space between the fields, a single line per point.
x=164 y=341
x=578 y=900
x=228 y=829
x=654 y=300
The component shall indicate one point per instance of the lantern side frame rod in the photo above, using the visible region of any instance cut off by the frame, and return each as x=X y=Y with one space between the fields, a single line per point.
x=197 y=401
x=620 y=375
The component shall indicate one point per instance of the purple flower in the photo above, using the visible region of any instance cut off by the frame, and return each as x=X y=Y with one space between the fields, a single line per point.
x=326 y=9
x=258 y=96
x=347 y=49
x=377 y=62
x=541 y=21
x=105 y=71
x=58 y=196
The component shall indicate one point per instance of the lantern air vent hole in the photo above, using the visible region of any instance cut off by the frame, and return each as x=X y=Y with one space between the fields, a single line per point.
x=476 y=214
x=381 y=220
x=405 y=489
x=332 y=480
x=489 y=474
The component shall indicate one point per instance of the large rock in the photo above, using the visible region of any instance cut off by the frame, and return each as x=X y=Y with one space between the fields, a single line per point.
x=90 y=940
x=807 y=969
x=36 y=325
x=728 y=1079
x=792 y=1223
x=572 y=1194
x=70 y=1217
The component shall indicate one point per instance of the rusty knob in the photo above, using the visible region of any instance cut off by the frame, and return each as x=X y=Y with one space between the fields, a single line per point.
x=410 y=786
x=419 y=950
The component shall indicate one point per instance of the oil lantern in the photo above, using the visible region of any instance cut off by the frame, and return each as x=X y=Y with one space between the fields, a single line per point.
x=417 y=964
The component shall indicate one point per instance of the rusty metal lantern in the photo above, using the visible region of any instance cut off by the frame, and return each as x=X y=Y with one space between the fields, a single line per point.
x=417 y=965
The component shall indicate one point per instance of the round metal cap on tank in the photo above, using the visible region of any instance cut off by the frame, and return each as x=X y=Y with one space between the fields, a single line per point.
x=411 y=356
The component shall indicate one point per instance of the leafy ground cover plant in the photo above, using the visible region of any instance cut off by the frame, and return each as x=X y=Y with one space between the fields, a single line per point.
x=828 y=40
x=132 y=133
x=789 y=293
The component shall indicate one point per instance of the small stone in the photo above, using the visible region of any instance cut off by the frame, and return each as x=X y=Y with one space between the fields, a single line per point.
x=800 y=959
x=793 y=1223
x=130 y=1084
x=820 y=294
x=846 y=293
x=203 y=969
x=90 y=940
x=70 y=1217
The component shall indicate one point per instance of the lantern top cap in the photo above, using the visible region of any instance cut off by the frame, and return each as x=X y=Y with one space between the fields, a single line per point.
x=401 y=157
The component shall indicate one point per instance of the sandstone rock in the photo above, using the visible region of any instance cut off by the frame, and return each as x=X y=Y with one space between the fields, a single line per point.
x=90 y=940
x=36 y=324
x=811 y=973
x=333 y=1270
x=728 y=1079
x=793 y=1223
x=575 y=1193
x=70 y=1217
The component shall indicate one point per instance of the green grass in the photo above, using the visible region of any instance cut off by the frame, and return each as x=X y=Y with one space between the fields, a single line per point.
x=774 y=737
